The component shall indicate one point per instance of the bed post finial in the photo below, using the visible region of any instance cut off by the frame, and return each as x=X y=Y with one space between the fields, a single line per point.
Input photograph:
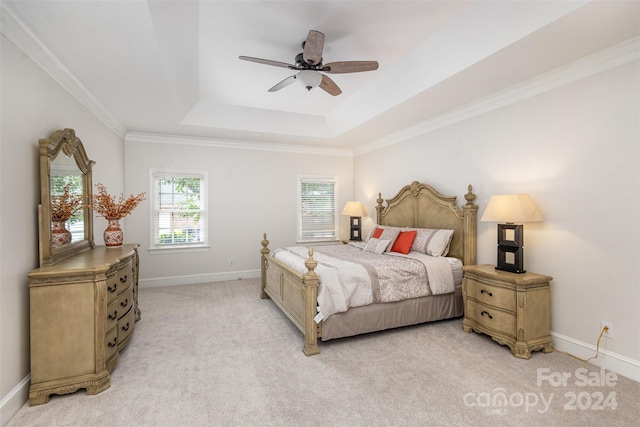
x=379 y=209
x=470 y=197
x=311 y=263
x=263 y=266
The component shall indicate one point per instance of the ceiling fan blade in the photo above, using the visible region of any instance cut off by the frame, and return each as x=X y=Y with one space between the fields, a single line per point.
x=329 y=86
x=268 y=62
x=350 y=67
x=286 y=82
x=313 y=47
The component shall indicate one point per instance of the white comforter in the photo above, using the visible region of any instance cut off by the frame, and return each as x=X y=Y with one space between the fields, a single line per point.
x=350 y=277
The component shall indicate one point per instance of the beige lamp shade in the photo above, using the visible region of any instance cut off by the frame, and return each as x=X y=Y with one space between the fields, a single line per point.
x=511 y=208
x=356 y=209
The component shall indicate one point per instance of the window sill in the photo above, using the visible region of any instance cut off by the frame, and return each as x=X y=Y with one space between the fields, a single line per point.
x=176 y=249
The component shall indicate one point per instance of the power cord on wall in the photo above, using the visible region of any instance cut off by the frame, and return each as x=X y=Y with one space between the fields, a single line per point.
x=604 y=329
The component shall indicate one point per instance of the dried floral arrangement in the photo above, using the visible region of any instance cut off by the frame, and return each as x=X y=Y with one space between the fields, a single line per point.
x=106 y=205
x=66 y=205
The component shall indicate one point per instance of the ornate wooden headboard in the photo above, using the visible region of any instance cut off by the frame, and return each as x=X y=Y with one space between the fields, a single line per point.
x=420 y=206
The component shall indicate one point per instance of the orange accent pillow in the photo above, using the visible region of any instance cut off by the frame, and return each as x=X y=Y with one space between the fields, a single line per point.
x=377 y=233
x=404 y=241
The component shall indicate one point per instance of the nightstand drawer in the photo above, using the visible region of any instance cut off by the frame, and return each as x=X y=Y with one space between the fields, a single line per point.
x=491 y=295
x=492 y=318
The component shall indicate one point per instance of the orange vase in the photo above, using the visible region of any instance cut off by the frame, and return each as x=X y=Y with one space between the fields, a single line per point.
x=113 y=235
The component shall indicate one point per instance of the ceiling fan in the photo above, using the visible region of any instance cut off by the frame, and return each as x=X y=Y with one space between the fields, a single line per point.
x=309 y=65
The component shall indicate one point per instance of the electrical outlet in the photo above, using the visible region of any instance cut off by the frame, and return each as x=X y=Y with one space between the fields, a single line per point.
x=230 y=262
x=609 y=332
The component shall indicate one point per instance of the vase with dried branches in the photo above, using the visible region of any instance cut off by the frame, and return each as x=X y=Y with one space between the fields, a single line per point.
x=63 y=207
x=113 y=211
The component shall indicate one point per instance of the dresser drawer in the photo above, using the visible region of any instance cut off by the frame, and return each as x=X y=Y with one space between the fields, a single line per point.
x=125 y=327
x=112 y=343
x=119 y=280
x=112 y=315
x=112 y=288
x=491 y=295
x=125 y=302
x=492 y=318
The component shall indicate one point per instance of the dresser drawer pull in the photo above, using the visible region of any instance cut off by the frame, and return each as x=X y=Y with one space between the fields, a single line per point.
x=113 y=343
x=482 y=291
x=125 y=328
x=115 y=288
x=485 y=313
x=123 y=279
x=113 y=316
x=124 y=303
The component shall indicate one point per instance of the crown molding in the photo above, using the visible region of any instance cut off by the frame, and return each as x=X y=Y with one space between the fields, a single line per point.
x=151 y=138
x=19 y=34
x=608 y=59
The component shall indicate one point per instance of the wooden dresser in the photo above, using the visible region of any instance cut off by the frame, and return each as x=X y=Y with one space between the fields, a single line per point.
x=512 y=308
x=83 y=312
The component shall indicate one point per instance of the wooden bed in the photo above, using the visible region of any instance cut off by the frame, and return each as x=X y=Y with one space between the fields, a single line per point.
x=416 y=205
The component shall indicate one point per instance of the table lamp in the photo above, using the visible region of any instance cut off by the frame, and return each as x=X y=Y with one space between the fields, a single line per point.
x=509 y=210
x=356 y=211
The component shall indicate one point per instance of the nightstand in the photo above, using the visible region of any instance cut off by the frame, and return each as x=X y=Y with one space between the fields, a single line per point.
x=511 y=308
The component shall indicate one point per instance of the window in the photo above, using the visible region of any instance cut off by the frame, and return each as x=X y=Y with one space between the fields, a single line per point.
x=179 y=215
x=317 y=201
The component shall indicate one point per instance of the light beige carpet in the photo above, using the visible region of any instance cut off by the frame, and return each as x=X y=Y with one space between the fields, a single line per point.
x=216 y=354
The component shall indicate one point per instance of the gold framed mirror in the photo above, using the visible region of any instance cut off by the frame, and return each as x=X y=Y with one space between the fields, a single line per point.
x=66 y=221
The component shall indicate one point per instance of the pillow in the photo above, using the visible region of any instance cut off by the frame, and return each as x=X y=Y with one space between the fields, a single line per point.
x=384 y=232
x=389 y=233
x=376 y=245
x=433 y=242
x=377 y=232
x=404 y=242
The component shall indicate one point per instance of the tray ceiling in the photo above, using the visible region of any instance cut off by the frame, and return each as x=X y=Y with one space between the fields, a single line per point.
x=172 y=67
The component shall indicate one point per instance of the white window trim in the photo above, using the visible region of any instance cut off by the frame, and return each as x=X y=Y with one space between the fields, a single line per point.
x=316 y=178
x=179 y=248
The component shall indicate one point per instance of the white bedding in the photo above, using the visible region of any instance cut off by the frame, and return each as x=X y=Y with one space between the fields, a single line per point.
x=350 y=277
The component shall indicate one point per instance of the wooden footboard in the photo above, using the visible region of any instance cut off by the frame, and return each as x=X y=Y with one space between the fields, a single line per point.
x=295 y=294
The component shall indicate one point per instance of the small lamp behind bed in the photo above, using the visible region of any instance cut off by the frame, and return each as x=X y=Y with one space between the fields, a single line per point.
x=356 y=211
x=511 y=209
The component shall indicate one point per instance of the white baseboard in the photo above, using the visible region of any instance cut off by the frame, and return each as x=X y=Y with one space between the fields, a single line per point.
x=198 y=278
x=614 y=362
x=12 y=402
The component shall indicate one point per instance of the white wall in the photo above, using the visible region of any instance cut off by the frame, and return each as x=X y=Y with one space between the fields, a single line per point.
x=575 y=149
x=33 y=106
x=251 y=191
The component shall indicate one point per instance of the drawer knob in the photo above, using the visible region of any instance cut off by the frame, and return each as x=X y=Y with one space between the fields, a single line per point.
x=123 y=279
x=485 y=313
x=115 y=287
x=482 y=291
x=114 y=342
x=124 y=303
x=125 y=328
x=113 y=316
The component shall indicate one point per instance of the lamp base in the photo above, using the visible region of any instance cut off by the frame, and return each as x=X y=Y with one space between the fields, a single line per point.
x=510 y=268
x=510 y=251
x=356 y=229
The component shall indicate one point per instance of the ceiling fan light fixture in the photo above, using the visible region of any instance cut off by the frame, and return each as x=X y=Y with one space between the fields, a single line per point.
x=309 y=78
